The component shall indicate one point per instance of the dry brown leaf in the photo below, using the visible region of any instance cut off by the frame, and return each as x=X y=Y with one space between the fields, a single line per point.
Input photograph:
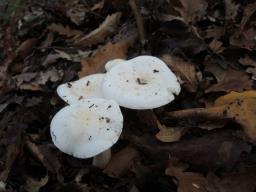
x=66 y=31
x=244 y=39
x=77 y=13
x=249 y=10
x=216 y=46
x=200 y=152
x=251 y=64
x=185 y=70
x=33 y=81
x=237 y=107
x=231 y=9
x=104 y=30
x=96 y=63
x=247 y=61
x=168 y=134
x=192 y=11
x=34 y=185
x=215 y=32
x=122 y=162
x=188 y=181
x=26 y=47
x=227 y=80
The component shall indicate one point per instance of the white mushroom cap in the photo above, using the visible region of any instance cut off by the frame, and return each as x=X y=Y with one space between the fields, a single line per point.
x=110 y=64
x=87 y=128
x=84 y=88
x=144 y=82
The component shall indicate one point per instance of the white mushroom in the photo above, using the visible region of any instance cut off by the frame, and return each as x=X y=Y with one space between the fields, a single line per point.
x=144 y=82
x=110 y=64
x=88 y=128
x=84 y=88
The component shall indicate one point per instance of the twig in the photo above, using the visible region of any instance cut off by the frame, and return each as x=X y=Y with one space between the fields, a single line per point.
x=139 y=21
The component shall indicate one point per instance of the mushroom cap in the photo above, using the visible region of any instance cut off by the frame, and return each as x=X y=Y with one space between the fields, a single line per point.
x=144 y=82
x=87 y=128
x=110 y=64
x=84 y=88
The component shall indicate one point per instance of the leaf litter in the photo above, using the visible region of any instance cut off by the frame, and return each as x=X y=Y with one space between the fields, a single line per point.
x=203 y=141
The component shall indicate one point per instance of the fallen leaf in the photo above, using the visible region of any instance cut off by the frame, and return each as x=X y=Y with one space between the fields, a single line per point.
x=45 y=156
x=203 y=152
x=227 y=79
x=250 y=64
x=33 y=185
x=98 y=35
x=96 y=63
x=215 y=32
x=244 y=39
x=192 y=11
x=168 y=134
x=237 y=107
x=122 y=162
x=26 y=47
x=247 y=61
x=185 y=70
x=248 y=12
x=234 y=182
x=33 y=81
x=77 y=13
x=66 y=31
x=231 y=9
x=188 y=181
x=216 y=46
x=12 y=142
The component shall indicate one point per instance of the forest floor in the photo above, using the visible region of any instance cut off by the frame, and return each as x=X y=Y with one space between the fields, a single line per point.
x=204 y=141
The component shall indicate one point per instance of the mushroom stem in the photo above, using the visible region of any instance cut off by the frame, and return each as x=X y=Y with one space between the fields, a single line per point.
x=101 y=160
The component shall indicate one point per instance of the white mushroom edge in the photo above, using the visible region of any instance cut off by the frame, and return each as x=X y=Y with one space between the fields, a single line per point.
x=144 y=82
x=84 y=88
x=88 y=128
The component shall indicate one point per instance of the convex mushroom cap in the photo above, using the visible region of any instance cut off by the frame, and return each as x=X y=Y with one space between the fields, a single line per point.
x=88 y=128
x=84 y=88
x=144 y=82
x=110 y=64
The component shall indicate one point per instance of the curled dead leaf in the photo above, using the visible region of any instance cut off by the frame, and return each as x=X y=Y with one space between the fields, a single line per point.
x=96 y=63
x=98 y=35
x=185 y=70
x=122 y=162
x=237 y=107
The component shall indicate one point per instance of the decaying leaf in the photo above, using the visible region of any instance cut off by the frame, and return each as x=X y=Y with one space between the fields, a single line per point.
x=187 y=181
x=244 y=39
x=215 y=32
x=185 y=70
x=45 y=156
x=66 y=31
x=237 y=107
x=12 y=144
x=122 y=162
x=168 y=134
x=33 y=81
x=77 y=13
x=33 y=185
x=227 y=79
x=192 y=11
x=249 y=10
x=96 y=63
x=26 y=47
x=216 y=46
x=231 y=10
x=204 y=152
x=250 y=64
x=98 y=35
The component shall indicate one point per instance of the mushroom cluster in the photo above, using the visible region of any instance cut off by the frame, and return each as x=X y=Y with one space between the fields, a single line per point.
x=93 y=122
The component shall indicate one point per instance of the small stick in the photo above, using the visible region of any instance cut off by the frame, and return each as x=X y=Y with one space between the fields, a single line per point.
x=139 y=21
